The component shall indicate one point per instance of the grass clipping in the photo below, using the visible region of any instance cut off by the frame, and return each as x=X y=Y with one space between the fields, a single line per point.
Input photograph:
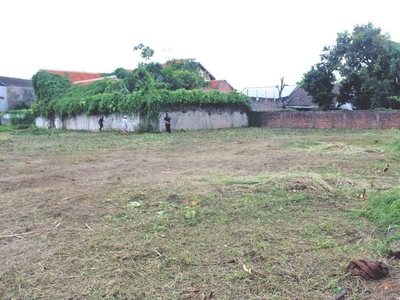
x=294 y=182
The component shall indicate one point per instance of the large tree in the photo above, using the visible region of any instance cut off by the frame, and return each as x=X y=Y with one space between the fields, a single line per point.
x=178 y=74
x=173 y=75
x=319 y=82
x=366 y=64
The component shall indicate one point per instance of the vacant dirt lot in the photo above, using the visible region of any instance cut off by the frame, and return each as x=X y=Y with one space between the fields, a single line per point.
x=95 y=215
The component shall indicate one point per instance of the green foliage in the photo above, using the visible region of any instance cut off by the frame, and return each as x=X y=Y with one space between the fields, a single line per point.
x=318 y=82
x=142 y=80
x=384 y=209
x=22 y=119
x=178 y=79
x=21 y=105
x=109 y=96
x=174 y=75
x=126 y=77
x=182 y=74
x=4 y=128
x=47 y=87
x=145 y=51
x=367 y=63
x=100 y=97
x=190 y=213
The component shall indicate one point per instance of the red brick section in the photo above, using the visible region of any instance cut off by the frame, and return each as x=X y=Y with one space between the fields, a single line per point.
x=362 y=119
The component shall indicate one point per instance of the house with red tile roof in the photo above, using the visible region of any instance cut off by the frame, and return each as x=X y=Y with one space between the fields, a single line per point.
x=219 y=85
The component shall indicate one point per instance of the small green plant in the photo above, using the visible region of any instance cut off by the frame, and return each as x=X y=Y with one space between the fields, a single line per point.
x=190 y=213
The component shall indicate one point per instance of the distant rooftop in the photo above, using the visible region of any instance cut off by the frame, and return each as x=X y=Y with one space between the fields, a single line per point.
x=269 y=92
x=10 y=81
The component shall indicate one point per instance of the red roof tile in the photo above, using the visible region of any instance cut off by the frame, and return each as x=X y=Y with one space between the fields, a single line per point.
x=75 y=76
x=219 y=85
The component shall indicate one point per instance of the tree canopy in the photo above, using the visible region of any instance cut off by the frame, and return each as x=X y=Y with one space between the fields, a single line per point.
x=366 y=66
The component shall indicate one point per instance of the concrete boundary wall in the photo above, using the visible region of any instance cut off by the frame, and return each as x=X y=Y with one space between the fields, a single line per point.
x=194 y=118
x=363 y=119
x=202 y=119
x=89 y=123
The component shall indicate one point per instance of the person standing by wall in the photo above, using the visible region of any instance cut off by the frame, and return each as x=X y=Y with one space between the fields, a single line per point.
x=101 y=122
x=167 y=121
x=124 y=125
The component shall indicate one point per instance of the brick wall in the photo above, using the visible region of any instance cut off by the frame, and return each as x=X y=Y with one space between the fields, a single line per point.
x=263 y=104
x=363 y=119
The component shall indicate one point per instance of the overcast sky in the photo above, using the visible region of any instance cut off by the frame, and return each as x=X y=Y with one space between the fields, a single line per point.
x=249 y=43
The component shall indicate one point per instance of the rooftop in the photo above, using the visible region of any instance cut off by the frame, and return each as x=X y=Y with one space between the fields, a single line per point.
x=75 y=76
x=10 y=81
x=268 y=92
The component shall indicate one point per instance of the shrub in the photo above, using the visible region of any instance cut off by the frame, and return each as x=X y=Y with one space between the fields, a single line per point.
x=22 y=119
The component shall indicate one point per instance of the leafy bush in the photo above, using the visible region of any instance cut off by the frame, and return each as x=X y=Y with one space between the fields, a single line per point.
x=115 y=99
x=47 y=87
x=22 y=119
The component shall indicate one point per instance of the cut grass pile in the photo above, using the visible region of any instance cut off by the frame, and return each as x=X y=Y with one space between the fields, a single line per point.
x=240 y=213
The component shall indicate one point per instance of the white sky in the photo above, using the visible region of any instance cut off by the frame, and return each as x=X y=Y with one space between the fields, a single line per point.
x=248 y=43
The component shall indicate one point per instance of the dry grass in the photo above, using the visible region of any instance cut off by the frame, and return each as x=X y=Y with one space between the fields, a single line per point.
x=102 y=216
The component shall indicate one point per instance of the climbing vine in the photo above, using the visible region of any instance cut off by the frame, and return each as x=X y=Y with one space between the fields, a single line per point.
x=145 y=93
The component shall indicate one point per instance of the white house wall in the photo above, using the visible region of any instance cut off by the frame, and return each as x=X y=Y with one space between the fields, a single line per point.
x=3 y=98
